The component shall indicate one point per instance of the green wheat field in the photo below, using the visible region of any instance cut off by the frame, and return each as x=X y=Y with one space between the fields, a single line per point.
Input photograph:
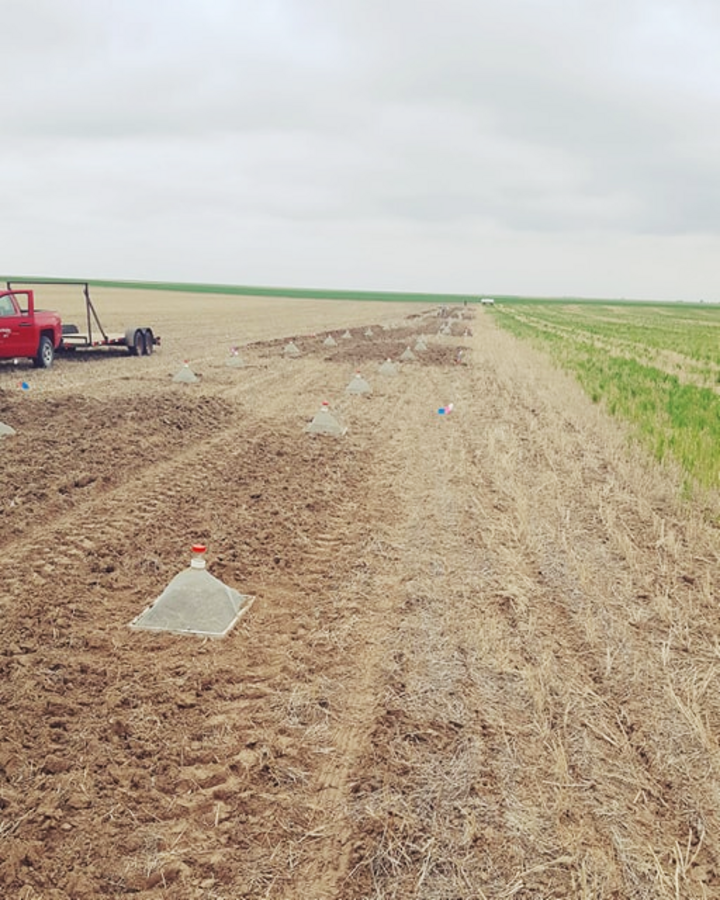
x=656 y=366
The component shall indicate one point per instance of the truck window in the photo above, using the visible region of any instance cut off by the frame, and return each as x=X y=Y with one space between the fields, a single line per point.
x=6 y=306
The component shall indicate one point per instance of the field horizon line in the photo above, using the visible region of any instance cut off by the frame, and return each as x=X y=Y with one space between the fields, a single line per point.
x=335 y=293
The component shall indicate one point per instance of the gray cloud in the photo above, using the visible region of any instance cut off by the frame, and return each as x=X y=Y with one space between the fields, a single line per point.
x=365 y=143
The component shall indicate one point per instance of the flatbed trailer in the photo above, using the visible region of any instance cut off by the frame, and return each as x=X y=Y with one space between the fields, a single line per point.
x=139 y=340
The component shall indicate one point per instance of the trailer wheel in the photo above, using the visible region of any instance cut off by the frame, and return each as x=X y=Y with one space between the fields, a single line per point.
x=45 y=353
x=149 y=341
x=137 y=345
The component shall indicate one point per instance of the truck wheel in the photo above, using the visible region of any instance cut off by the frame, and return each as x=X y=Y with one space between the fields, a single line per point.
x=149 y=341
x=45 y=353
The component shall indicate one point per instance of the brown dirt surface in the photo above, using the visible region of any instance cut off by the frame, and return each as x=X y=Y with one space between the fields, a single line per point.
x=481 y=662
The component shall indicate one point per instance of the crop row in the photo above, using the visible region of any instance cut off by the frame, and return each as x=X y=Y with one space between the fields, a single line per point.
x=693 y=333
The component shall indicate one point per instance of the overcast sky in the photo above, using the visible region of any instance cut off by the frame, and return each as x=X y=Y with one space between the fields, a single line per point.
x=551 y=147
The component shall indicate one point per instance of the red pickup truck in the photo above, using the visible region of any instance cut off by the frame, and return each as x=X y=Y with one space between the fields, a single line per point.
x=26 y=331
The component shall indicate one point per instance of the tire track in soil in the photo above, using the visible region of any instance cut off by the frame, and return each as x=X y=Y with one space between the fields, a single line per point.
x=424 y=703
x=94 y=469
x=382 y=588
x=372 y=592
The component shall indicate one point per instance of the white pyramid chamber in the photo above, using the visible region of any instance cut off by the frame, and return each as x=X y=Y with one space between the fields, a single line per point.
x=235 y=360
x=185 y=375
x=358 y=385
x=388 y=368
x=326 y=422
x=194 y=602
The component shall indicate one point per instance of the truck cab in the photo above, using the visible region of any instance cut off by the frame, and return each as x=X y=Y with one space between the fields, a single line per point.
x=27 y=332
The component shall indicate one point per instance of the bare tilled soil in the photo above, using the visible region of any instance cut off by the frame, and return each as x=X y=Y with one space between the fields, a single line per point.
x=482 y=658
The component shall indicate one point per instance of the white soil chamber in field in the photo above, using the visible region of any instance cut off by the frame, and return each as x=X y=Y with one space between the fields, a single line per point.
x=195 y=602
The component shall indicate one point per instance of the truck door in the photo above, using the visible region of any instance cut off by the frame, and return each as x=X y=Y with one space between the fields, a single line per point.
x=17 y=334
